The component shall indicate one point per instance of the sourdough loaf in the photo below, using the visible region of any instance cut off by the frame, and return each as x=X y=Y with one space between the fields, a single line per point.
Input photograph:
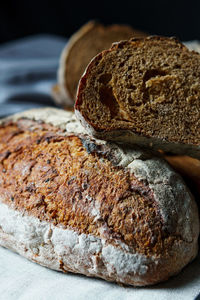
x=73 y=203
x=88 y=41
x=144 y=91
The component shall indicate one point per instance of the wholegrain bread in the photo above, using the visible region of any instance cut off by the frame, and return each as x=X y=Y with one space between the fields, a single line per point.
x=144 y=91
x=73 y=203
x=87 y=42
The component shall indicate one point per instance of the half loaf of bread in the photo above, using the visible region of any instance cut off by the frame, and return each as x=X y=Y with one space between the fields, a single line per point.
x=73 y=203
x=144 y=91
x=87 y=42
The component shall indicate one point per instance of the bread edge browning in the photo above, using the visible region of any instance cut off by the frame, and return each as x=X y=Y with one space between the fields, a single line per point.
x=67 y=250
x=64 y=97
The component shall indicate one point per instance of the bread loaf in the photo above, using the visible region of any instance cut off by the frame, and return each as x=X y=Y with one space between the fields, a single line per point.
x=144 y=91
x=87 y=42
x=73 y=203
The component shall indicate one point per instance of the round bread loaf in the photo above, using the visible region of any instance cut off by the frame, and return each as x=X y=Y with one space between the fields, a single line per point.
x=144 y=91
x=73 y=203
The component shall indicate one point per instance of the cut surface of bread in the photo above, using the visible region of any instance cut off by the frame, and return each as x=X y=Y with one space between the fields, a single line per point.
x=91 y=39
x=73 y=203
x=144 y=91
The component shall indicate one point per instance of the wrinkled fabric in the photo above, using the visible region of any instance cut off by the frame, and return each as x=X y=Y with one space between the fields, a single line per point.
x=28 y=70
x=22 y=279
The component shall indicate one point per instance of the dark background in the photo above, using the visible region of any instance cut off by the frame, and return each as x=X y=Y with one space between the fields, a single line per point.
x=23 y=17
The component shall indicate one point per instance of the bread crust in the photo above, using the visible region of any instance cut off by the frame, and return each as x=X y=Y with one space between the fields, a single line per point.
x=65 y=94
x=128 y=136
x=66 y=249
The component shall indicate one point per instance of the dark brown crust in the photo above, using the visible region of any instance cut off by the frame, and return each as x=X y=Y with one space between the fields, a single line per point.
x=72 y=182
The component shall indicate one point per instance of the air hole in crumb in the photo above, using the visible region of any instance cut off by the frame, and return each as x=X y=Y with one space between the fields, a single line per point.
x=177 y=66
x=147 y=76
x=105 y=78
x=130 y=100
x=131 y=103
x=131 y=87
x=134 y=103
x=138 y=104
x=121 y=64
x=153 y=73
x=108 y=99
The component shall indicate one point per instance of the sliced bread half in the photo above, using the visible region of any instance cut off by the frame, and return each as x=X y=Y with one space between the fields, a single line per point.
x=144 y=91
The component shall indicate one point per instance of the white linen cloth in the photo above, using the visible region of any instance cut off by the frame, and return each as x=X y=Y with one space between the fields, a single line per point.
x=25 y=280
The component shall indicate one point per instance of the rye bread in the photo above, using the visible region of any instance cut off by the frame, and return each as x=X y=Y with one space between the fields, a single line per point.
x=144 y=91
